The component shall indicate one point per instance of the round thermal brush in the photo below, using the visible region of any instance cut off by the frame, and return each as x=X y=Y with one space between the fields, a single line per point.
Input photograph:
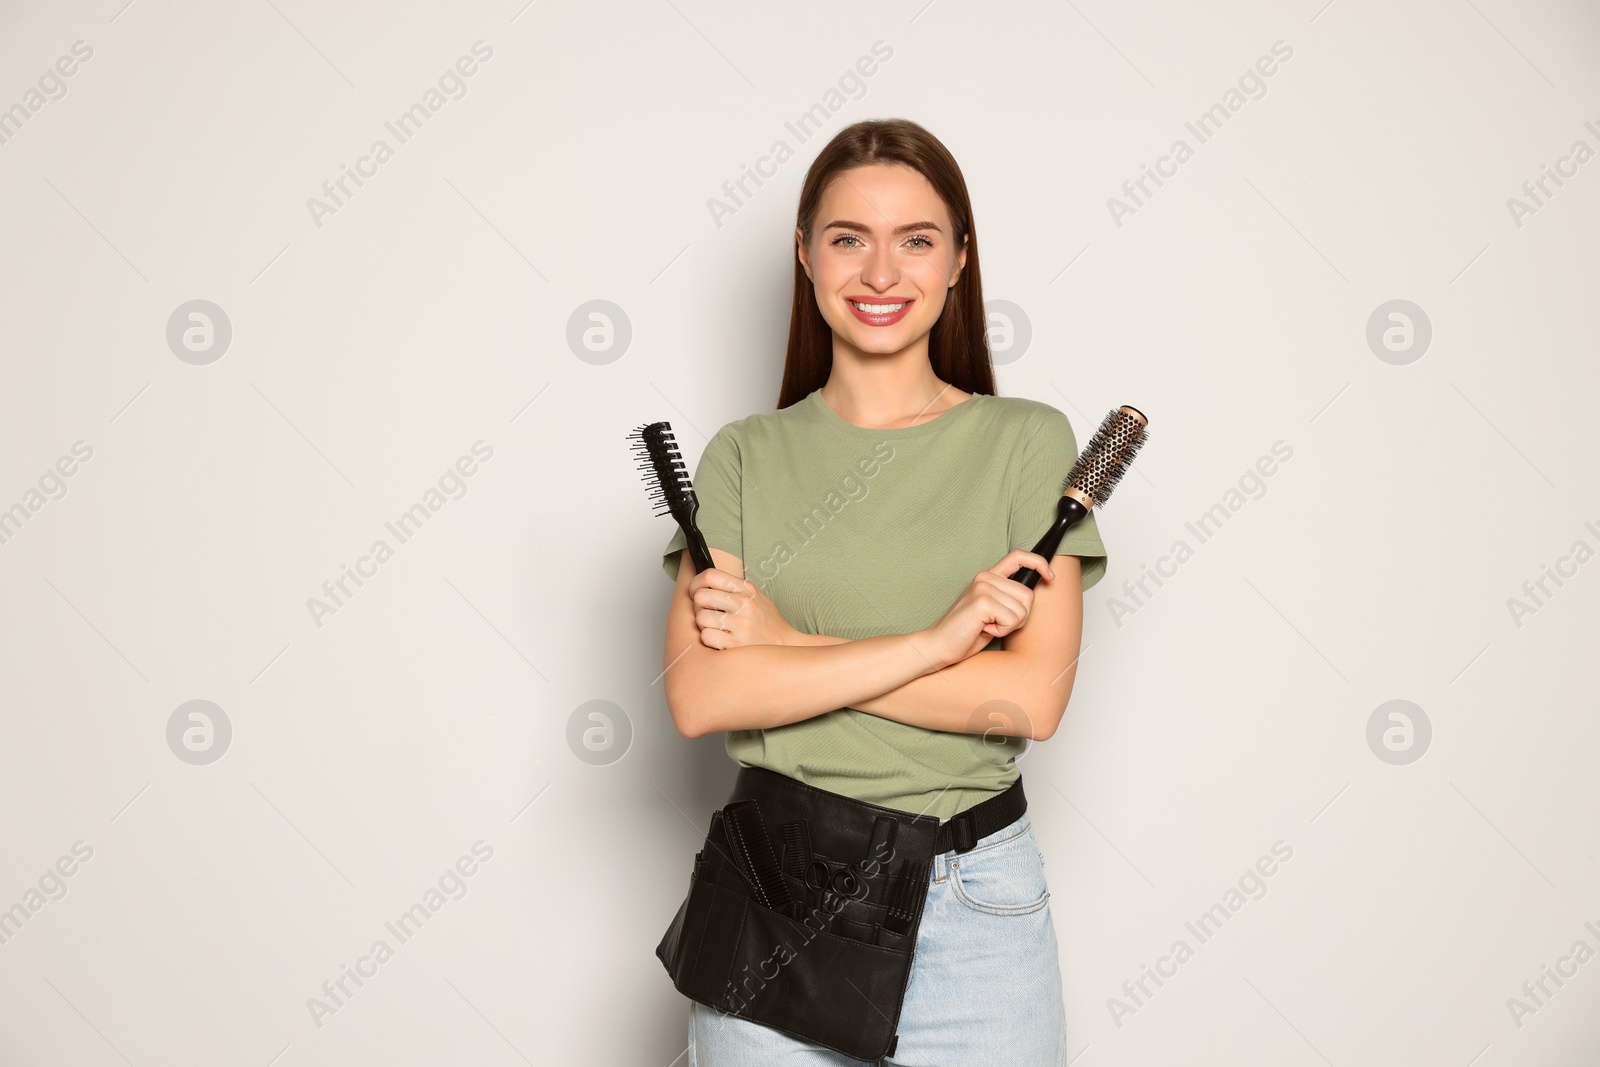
x=1099 y=468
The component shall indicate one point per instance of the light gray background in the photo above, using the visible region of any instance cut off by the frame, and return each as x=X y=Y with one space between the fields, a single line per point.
x=434 y=708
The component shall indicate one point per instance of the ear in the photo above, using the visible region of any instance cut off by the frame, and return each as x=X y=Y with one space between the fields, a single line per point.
x=961 y=262
x=803 y=252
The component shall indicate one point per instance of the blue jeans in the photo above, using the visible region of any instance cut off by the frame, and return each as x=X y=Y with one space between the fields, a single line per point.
x=985 y=984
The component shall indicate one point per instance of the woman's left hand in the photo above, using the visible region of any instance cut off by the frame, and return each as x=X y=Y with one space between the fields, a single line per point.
x=732 y=612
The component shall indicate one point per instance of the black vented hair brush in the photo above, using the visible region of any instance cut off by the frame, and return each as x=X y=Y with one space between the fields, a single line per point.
x=667 y=481
x=1099 y=468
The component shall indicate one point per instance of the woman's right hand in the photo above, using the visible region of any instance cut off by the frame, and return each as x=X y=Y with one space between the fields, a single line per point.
x=992 y=606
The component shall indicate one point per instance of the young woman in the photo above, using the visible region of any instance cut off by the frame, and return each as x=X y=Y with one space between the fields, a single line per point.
x=863 y=535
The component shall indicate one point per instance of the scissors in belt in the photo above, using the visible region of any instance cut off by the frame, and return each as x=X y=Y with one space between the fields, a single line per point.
x=844 y=882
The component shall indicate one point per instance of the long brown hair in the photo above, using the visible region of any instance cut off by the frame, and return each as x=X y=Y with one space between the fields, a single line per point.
x=958 y=344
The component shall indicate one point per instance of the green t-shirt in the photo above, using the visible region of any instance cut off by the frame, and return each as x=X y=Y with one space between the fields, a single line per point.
x=856 y=533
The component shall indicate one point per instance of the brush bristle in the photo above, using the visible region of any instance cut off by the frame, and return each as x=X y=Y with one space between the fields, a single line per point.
x=1106 y=458
x=665 y=476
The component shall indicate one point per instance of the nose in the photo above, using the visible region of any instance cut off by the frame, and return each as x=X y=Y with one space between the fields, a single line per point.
x=879 y=270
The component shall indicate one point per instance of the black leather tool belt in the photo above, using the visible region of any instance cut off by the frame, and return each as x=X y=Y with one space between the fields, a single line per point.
x=803 y=908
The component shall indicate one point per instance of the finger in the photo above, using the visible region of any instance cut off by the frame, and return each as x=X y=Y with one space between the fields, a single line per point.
x=1011 y=608
x=1036 y=562
x=714 y=638
x=1005 y=613
x=718 y=600
x=711 y=619
x=714 y=578
x=995 y=614
x=1006 y=591
x=1018 y=558
x=740 y=587
x=1009 y=615
x=723 y=600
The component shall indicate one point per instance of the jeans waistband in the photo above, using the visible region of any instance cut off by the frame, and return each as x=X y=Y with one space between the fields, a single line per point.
x=941 y=861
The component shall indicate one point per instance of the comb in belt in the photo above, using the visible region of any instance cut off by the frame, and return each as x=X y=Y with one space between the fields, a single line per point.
x=747 y=836
x=797 y=857
x=797 y=847
x=904 y=895
x=880 y=849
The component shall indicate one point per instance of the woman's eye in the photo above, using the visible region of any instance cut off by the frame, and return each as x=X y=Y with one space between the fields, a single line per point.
x=852 y=237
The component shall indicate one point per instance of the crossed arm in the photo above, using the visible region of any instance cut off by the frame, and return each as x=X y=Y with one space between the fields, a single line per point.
x=1020 y=690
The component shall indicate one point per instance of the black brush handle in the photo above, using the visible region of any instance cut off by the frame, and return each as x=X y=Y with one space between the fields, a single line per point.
x=698 y=551
x=1068 y=514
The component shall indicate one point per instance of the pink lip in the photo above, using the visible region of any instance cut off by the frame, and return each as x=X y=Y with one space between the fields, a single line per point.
x=879 y=320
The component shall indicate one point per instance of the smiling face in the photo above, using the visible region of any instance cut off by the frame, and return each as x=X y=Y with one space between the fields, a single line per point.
x=882 y=257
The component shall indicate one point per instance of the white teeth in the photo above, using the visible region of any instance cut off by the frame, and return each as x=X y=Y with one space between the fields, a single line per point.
x=878 y=309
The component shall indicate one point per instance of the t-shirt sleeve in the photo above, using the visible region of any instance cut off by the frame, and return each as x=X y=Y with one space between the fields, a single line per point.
x=1048 y=454
x=717 y=482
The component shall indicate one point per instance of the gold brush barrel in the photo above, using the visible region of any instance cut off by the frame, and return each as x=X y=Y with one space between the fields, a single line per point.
x=1106 y=458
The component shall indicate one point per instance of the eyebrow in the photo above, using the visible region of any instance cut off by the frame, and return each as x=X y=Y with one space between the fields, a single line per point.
x=846 y=224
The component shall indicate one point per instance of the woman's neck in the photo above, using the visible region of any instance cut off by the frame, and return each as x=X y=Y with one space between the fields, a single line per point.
x=888 y=395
